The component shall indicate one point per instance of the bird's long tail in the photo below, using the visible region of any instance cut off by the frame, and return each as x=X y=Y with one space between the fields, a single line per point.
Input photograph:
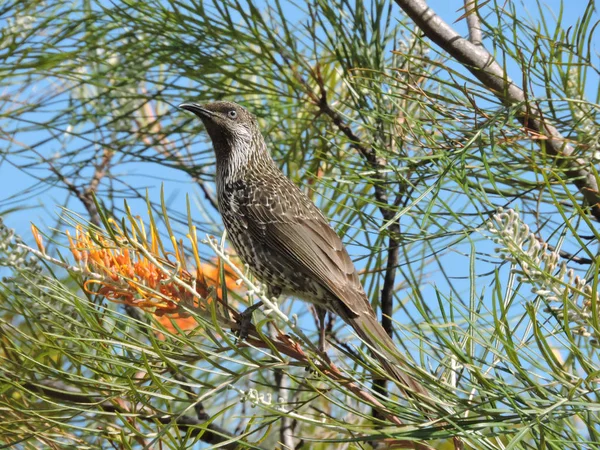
x=383 y=347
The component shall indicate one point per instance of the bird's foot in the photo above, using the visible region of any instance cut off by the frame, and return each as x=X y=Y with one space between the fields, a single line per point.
x=320 y=314
x=245 y=321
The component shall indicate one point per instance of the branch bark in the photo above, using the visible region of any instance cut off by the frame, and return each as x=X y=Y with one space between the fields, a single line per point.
x=484 y=67
x=473 y=22
x=86 y=195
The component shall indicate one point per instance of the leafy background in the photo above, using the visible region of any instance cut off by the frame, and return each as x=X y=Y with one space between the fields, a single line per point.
x=397 y=143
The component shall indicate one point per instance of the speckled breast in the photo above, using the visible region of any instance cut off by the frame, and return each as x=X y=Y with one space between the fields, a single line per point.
x=268 y=267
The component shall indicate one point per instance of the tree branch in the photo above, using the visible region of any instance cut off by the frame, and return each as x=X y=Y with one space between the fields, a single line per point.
x=482 y=65
x=473 y=22
x=85 y=196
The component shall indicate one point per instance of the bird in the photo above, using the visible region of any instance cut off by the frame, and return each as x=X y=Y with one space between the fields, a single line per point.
x=285 y=240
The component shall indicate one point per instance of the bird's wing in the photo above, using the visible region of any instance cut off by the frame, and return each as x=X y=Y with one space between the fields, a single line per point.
x=301 y=237
x=295 y=232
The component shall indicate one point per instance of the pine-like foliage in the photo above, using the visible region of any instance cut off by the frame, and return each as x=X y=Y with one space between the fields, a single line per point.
x=471 y=211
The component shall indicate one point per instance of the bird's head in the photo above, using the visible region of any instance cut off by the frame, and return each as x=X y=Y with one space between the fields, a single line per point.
x=227 y=123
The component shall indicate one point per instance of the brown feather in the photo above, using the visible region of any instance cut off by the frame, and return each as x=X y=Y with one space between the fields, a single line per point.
x=370 y=331
x=307 y=244
x=311 y=246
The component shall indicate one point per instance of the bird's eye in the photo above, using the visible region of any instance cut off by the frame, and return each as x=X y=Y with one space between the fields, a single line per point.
x=232 y=114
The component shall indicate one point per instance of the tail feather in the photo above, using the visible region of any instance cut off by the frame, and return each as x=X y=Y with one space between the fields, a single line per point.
x=370 y=330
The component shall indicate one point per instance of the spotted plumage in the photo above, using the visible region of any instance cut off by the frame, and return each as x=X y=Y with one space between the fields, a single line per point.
x=282 y=236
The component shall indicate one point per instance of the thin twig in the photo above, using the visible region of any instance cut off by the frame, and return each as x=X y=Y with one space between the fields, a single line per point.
x=201 y=413
x=85 y=198
x=86 y=195
x=59 y=263
x=282 y=386
x=286 y=426
x=99 y=173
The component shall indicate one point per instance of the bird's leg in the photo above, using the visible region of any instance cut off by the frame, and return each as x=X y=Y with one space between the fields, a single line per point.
x=245 y=319
x=321 y=315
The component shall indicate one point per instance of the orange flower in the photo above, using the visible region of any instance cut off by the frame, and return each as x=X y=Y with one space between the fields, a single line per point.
x=130 y=276
x=128 y=268
x=211 y=278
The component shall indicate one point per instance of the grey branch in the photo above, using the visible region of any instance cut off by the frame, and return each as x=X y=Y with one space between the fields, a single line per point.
x=473 y=22
x=482 y=65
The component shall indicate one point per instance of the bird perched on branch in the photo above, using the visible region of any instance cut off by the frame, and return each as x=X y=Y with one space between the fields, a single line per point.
x=283 y=237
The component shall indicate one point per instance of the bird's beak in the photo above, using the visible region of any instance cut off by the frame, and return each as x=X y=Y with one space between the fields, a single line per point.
x=197 y=109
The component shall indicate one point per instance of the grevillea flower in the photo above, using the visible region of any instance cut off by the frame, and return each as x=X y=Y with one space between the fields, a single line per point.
x=567 y=294
x=127 y=266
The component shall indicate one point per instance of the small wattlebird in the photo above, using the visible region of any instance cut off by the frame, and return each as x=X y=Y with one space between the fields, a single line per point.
x=284 y=238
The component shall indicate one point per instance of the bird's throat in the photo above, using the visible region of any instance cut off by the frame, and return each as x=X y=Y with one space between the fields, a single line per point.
x=237 y=159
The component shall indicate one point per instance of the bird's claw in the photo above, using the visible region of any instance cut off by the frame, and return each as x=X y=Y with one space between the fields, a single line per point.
x=244 y=321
